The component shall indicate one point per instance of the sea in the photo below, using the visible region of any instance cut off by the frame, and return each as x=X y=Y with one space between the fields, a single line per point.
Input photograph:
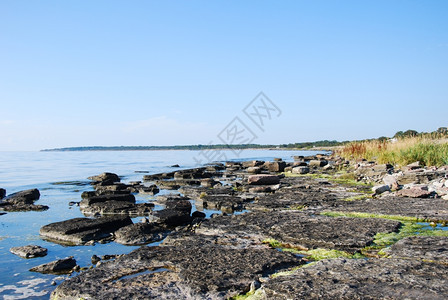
x=61 y=177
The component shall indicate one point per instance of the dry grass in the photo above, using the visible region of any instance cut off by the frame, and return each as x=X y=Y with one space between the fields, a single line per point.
x=430 y=150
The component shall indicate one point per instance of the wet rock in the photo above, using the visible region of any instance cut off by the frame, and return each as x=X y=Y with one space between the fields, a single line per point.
x=118 y=208
x=176 y=184
x=106 y=176
x=95 y=259
x=379 y=189
x=228 y=203
x=30 y=251
x=429 y=248
x=2 y=193
x=263 y=179
x=198 y=214
x=60 y=266
x=22 y=201
x=82 y=230
x=300 y=170
x=361 y=279
x=414 y=192
x=140 y=234
x=193 y=269
x=209 y=182
x=175 y=166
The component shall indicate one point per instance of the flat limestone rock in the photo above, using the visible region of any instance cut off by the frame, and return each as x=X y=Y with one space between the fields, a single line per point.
x=298 y=228
x=29 y=251
x=431 y=248
x=60 y=266
x=185 y=271
x=361 y=279
x=140 y=234
x=424 y=209
x=82 y=230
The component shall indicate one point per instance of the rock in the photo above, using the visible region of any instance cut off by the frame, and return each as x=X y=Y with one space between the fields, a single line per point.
x=175 y=166
x=276 y=166
x=446 y=183
x=429 y=248
x=361 y=279
x=208 y=182
x=118 y=208
x=379 y=189
x=254 y=170
x=95 y=259
x=301 y=229
x=253 y=163
x=60 y=266
x=328 y=167
x=317 y=163
x=194 y=268
x=22 y=201
x=301 y=170
x=159 y=176
x=149 y=190
x=176 y=213
x=106 y=198
x=82 y=230
x=263 y=179
x=299 y=164
x=140 y=234
x=23 y=197
x=106 y=176
x=2 y=193
x=30 y=251
x=418 y=177
x=391 y=181
x=198 y=214
x=415 y=192
x=414 y=166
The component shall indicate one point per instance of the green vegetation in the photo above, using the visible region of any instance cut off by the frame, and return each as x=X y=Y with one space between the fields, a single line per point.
x=369 y=215
x=430 y=149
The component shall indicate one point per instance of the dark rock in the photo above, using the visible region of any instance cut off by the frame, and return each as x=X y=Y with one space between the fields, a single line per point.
x=118 y=208
x=302 y=229
x=176 y=184
x=227 y=203
x=160 y=176
x=429 y=248
x=106 y=176
x=196 y=268
x=209 y=182
x=254 y=170
x=198 y=214
x=150 y=190
x=2 y=193
x=361 y=279
x=263 y=179
x=379 y=189
x=82 y=230
x=95 y=259
x=252 y=163
x=29 y=251
x=60 y=266
x=107 y=198
x=140 y=234
x=23 y=197
x=175 y=166
x=176 y=213
x=317 y=163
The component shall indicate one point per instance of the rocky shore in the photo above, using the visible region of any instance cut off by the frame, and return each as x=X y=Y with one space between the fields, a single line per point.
x=316 y=228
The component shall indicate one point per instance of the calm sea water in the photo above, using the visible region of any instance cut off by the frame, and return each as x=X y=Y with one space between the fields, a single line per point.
x=61 y=177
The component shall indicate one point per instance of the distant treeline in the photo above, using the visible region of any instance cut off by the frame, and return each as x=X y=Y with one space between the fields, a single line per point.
x=305 y=145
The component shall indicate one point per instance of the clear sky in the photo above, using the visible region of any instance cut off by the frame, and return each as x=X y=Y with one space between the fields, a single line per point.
x=84 y=73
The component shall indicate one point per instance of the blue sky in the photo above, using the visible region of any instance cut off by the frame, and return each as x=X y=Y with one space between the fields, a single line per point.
x=83 y=73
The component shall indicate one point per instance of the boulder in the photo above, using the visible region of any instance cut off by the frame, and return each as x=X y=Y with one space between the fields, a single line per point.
x=106 y=176
x=417 y=191
x=148 y=190
x=60 y=266
x=23 y=197
x=379 y=189
x=301 y=170
x=30 y=251
x=254 y=170
x=83 y=230
x=176 y=213
x=209 y=182
x=106 y=198
x=317 y=163
x=2 y=193
x=276 y=166
x=140 y=234
x=262 y=179
x=252 y=163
